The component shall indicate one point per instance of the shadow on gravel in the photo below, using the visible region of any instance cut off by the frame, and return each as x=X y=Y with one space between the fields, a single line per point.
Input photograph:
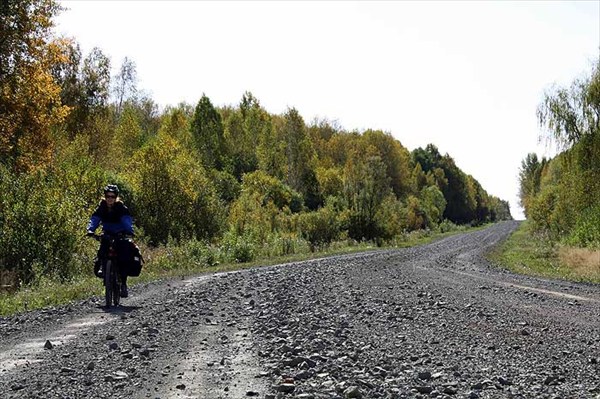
x=118 y=310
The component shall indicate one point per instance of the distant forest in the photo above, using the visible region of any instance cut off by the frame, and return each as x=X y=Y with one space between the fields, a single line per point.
x=222 y=175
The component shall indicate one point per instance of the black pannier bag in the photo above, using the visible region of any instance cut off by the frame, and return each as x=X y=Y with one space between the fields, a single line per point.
x=130 y=257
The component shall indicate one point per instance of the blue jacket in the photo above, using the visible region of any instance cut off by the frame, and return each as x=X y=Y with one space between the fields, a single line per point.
x=115 y=220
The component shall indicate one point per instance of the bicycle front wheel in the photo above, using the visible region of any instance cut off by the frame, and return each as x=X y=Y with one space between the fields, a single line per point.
x=108 y=283
x=116 y=283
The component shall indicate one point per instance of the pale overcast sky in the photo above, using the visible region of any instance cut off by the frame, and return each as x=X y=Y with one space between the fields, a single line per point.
x=465 y=76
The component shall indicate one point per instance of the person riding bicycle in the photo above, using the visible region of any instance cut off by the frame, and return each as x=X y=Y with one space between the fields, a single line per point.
x=116 y=220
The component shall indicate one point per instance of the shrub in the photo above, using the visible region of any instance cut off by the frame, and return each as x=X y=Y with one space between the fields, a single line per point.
x=272 y=190
x=416 y=216
x=391 y=218
x=320 y=227
x=263 y=208
x=240 y=249
x=226 y=185
x=433 y=204
x=42 y=222
x=586 y=232
x=542 y=211
x=201 y=253
x=330 y=181
x=282 y=244
x=447 y=226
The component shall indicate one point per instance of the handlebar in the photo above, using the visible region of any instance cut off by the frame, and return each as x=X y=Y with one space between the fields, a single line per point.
x=98 y=237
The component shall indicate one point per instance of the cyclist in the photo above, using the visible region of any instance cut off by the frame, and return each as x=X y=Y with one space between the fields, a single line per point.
x=115 y=219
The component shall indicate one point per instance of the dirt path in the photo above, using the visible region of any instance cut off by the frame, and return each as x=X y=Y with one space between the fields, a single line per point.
x=432 y=321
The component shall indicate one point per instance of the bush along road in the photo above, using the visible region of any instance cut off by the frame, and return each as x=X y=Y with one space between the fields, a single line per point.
x=430 y=321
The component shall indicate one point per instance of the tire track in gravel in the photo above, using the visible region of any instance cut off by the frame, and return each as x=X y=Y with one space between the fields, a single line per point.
x=28 y=352
x=143 y=349
x=26 y=347
x=430 y=321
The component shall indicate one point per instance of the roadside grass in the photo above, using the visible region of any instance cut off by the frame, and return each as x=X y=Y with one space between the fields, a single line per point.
x=181 y=261
x=526 y=252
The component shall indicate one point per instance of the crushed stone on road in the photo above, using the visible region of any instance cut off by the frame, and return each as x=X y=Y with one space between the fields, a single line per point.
x=431 y=321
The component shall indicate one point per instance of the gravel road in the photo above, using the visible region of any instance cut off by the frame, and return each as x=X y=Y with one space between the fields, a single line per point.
x=431 y=321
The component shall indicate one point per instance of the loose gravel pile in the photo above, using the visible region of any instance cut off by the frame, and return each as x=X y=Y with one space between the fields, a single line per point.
x=432 y=321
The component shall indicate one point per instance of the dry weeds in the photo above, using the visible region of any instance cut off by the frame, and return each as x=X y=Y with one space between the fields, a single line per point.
x=584 y=262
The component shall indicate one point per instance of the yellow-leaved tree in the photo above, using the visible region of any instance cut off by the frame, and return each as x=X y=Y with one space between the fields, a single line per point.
x=30 y=102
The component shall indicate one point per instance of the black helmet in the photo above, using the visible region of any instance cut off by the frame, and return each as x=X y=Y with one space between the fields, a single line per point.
x=111 y=188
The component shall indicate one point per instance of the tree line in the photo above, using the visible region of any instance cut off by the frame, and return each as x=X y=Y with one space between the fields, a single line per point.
x=236 y=176
x=561 y=195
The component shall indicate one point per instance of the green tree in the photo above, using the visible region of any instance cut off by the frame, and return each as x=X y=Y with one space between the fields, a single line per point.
x=482 y=201
x=331 y=182
x=320 y=132
x=172 y=195
x=297 y=148
x=428 y=157
x=570 y=114
x=128 y=137
x=95 y=78
x=391 y=218
x=420 y=180
x=530 y=176
x=255 y=125
x=437 y=177
x=271 y=189
x=337 y=149
x=42 y=214
x=366 y=186
x=250 y=140
x=207 y=133
x=148 y=114
x=270 y=151
x=415 y=213
x=125 y=86
x=299 y=155
x=176 y=122
x=396 y=159
x=433 y=205
x=263 y=207
x=234 y=134
x=93 y=116
x=459 y=194
x=500 y=209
